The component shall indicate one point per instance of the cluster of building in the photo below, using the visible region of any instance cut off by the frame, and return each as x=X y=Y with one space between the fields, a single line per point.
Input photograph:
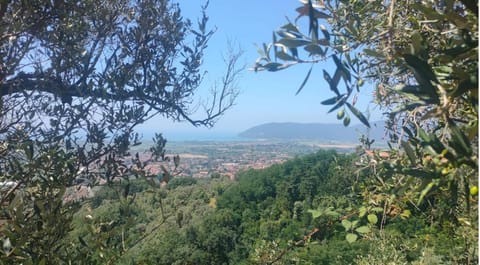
x=226 y=159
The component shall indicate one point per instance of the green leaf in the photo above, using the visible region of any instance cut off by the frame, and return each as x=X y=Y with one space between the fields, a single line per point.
x=313 y=22
x=293 y=43
x=417 y=40
x=328 y=78
x=304 y=81
x=460 y=142
x=288 y=35
x=284 y=56
x=336 y=78
x=429 y=12
x=363 y=229
x=355 y=223
x=330 y=101
x=406 y=213
x=358 y=114
x=314 y=49
x=340 y=103
x=409 y=151
x=372 y=218
x=266 y=49
x=423 y=135
x=432 y=143
x=351 y=237
x=347 y=224
x=427 y=189
x=321 y=15
x=273 y=67
x=315 y=213
x=341 y=67
x=463 y=87
x=325 y=32
x=331 y=213
x=362 y=211
x=82 y=241
x=290 y=27
x=423 y=73
x=419 y=173
x=373 y=53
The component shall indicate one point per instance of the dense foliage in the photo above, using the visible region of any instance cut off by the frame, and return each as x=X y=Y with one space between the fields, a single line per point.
x=76 y=78
x=422 y=59
x=304 y=211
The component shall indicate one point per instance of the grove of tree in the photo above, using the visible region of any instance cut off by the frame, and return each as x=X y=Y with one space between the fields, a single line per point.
x=77 y=78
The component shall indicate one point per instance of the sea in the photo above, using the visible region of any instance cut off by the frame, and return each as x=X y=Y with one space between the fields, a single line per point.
x=213 y=136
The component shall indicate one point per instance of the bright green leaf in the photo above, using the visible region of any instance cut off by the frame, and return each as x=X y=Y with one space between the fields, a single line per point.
x=362 y=211
x=406 y=213
x=427 y=189
x=351 y=237
x=363 y=229
x=372 y=218
x=347 y=224
x=355 y=223
x=331 y=213
x=315 y=213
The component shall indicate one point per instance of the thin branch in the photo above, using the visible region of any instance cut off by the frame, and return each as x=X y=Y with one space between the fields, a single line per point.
x=297 y=243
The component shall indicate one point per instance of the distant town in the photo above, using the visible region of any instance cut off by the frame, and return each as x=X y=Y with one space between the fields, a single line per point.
x=207 y=158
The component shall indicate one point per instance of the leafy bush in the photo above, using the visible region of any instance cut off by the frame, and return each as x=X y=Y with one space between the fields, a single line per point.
x=180 y=181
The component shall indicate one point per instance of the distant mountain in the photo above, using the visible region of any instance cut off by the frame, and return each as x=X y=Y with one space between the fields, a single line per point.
x=314 y=131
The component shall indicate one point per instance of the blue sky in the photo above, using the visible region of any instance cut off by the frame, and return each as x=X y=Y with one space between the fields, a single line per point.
x=264 y=96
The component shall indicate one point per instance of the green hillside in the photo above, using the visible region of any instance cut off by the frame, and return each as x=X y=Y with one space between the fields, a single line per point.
x=306 y=211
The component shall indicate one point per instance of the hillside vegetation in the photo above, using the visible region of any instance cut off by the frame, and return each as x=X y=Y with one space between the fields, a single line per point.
x=309 y=210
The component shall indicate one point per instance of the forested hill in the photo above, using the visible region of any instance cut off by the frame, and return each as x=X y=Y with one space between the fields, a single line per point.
x=308 y=210
x=314 y=131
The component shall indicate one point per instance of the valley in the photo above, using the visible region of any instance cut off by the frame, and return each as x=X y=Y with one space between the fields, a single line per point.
x=199 y=159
